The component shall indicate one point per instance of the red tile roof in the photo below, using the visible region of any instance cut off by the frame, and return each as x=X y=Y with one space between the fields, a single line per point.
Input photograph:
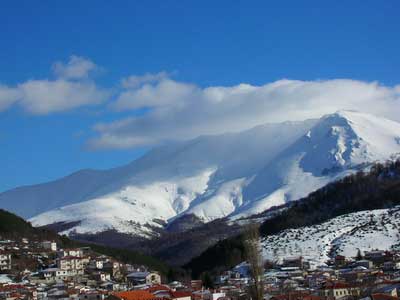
x=180 y=294
x=337 y=285
x=383 y=297
x=135 y=295
x=313 y=297
x=158 y=287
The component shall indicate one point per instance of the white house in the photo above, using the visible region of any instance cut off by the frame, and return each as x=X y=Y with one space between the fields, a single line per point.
x=49 y=245
x=137 y=278
x=5 y=261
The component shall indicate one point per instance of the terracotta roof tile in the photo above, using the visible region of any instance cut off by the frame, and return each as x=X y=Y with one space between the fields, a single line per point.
x=383 y=297
x=135 y=295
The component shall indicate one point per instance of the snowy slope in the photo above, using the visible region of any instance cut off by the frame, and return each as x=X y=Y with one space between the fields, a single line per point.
x=344 y=235
x=235 y=174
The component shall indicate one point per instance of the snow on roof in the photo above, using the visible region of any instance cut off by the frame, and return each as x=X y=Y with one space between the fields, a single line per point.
x=4 y=278
x=138 y=274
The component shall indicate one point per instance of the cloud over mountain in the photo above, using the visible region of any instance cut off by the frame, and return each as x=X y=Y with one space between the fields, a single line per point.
x=177 y=110
x=152 y=108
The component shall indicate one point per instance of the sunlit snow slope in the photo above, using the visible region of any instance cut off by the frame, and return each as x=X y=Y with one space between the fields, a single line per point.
x=235 y=174
x=344 y=235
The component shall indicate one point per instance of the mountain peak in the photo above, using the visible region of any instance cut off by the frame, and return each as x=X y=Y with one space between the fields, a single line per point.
x=349 y=138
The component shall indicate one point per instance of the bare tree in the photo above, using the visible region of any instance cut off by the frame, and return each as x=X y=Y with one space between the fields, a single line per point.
x=254 y=258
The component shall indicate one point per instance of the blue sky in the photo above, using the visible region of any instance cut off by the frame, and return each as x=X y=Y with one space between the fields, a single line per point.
x=184 y=47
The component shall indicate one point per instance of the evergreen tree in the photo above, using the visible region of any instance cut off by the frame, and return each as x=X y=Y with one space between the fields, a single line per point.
x=207 y=280
x=359 y=256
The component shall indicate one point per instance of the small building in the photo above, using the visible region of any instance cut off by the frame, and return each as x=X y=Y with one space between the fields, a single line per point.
x=102 y=276
x=376 y=256
x=96 y=264
x=49 y=245
x=340 y=261
x=112 y=267
x=138 y=278
x=391 y=265
x=5 y=261
x=196 y=284
x=293 y=262
x=338 y=290
x=73 y=264
x=364 y=263
x=56 y=274
x=92 y=295
x=77 y=252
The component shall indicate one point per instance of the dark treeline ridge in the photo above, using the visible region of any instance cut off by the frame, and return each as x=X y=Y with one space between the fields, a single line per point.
x=13 y=226
x=375 y=189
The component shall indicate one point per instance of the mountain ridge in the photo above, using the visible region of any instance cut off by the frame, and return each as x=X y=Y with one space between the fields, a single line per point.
x=231 y=175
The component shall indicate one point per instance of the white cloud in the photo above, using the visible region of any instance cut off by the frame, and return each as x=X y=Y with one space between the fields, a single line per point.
x=134 y=81
x=168 y=93
x=76 y=68
x=182 y=111
x=44 y=96
x=8 y=97
x=72 y=89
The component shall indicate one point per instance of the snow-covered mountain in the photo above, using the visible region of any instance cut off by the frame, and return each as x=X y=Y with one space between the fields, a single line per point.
x=235 y=174
x=344 y=235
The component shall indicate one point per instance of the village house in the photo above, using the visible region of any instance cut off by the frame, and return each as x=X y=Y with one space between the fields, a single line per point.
x=340 y=261
x=72 y=264
x=92 y=295
x=56 y=274
x=391 y=265
x=96 y=264
x=113 y=267
x=338 y=290
x=77 y=252
x=138 y=278
x=365 y=263
x=49 y=245
x=196 y=284
x=207 y=295
x=102 y=276
x=5 y=261
x=293 y=262
x=378 y=257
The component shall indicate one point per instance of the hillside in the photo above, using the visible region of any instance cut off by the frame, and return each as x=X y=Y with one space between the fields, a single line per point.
x=377 y=189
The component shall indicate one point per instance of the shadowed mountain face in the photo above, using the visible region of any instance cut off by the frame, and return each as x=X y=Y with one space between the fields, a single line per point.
x=231 y=175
